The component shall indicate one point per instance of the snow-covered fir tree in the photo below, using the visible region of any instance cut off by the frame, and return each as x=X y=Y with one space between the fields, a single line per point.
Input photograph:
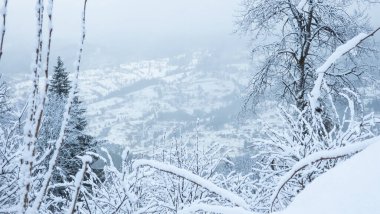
x=76 y=142
x=60 y=83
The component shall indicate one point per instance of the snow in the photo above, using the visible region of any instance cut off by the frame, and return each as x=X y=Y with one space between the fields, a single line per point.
x=3 y=13
x=340 y=152
x=193 y=178
x=31 y=124
x=301 y=5
x=78 y=180
x=339 y=52
x=53 y=159
x=214 y=208
x=352 y=187
x=118 y=105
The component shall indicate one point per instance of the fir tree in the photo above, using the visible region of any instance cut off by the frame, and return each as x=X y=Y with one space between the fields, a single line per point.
x=60 y=84
x=76 y=142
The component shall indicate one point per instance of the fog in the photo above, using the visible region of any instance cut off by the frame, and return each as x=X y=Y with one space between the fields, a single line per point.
x=126 y=30
x=123 y=29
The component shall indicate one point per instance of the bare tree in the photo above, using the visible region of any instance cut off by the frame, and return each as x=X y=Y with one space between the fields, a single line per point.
x=295 y=154
x=295 y=37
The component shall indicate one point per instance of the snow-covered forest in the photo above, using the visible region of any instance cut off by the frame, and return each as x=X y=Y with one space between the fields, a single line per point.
x=287 y=123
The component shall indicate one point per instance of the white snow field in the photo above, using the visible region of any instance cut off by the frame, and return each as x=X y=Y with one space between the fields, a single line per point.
x=352 y=187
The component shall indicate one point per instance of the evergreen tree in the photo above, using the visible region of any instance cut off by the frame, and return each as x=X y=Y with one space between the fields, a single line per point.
x=60 y=84
x=57 y=97
x=76 y=141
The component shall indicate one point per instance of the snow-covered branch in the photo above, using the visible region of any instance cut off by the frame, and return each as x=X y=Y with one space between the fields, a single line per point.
x=2 y=31
x=66 y=115
x=78 y=182
x=193 y=178
x=339 y=52
x=44 y=90
x=31 y=126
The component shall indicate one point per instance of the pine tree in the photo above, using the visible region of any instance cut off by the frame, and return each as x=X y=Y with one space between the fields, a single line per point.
x=58 y=92
x=60 y=84
x=76 y=141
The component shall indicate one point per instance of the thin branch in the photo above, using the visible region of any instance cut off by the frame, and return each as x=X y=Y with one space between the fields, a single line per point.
x=4 y=14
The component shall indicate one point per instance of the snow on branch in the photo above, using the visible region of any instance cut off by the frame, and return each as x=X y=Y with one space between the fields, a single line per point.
x=78 y=182
x=339 y=52
x=193 y=178
x=66 y=116
x=83 y=37
x=31 y=126
x=214 y=209
x=46 y=70
x=319 y=156
x=3 y=13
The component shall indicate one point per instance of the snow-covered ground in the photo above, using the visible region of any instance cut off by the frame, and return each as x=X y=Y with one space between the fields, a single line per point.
x=352 y=187
x=140 y=103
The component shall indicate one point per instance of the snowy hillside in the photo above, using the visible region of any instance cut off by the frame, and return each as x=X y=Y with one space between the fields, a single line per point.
x=352 y=187
x=141 y=103
x=142 y=100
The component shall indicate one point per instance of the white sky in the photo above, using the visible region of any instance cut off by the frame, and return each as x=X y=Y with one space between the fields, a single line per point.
x=115 y=21
x=133 y=27
x=130 y=29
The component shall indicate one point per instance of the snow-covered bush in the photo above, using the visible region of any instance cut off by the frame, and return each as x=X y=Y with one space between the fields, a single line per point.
x=307 y=133
x=300 y=138
x=166 y=191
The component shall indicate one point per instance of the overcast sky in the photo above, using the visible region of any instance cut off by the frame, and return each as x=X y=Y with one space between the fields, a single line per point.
x=130 y=21
x=133 y=27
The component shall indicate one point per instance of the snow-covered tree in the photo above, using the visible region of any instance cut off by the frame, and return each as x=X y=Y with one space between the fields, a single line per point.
x=311 y=58
x=4 y=98
x=292 y=39
x=296 y=140
x=168 y=192
x=34 y=166
x=76 y=142
x=59 y=88
x=293 y=155
x=60 y=83
x=46 y=155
